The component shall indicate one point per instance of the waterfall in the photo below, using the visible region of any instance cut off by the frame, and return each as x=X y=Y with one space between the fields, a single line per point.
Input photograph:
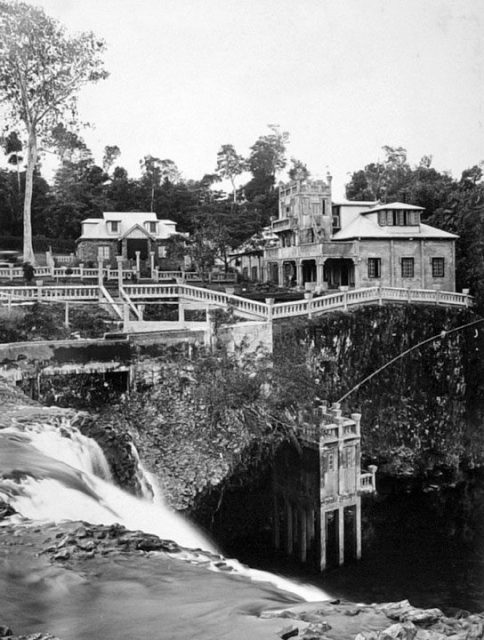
x=51 y=472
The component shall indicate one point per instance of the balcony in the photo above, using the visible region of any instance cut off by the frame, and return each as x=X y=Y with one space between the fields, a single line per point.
x=312 y=250
x=284 y=224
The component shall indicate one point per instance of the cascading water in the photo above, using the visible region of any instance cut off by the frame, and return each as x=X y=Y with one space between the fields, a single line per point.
x=51 y=472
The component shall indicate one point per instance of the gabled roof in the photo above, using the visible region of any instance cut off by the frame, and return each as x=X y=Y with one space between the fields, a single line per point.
x=364 y=227
x=394 y=205
x=136 y=226
x=99 y=229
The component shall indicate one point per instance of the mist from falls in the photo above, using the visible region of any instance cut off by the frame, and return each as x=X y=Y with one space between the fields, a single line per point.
x=50 y=472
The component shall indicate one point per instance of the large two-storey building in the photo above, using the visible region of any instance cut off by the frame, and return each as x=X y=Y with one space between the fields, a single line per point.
x=325 y=245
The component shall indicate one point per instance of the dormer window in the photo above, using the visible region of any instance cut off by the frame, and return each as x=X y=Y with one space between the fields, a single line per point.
x=151 y=227
x=114 y=226
x=398 y=218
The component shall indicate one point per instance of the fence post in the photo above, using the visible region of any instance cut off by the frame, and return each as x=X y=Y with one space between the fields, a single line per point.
x=466 y=293
x=380 y=295
x=66 y=314
x=345 y=300
x=119 y=260
x=438 y=297
x=81 y=270
x=270 y=307
x=100 y=277
x=308 y=297
x=409 y=295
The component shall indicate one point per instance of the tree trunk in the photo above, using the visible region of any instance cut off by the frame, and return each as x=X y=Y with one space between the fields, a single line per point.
x=29 y=182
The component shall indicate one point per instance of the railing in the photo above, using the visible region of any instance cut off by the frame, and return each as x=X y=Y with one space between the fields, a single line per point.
x=127 y=300
x=207 y=296
x=367 y=482
x=49 y=293
x=111 y=302
x=243 y=306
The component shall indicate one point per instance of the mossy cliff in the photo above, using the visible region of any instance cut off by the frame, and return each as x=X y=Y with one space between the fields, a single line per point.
x=422 y=413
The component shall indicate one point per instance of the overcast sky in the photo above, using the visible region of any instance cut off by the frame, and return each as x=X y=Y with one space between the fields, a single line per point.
x=344 y=77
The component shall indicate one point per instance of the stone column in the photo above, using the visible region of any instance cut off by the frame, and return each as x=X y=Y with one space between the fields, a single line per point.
x=100 y=275
x=341 y=535
x=299 y=273
x=320 y=273
x=119 y=260
x=81 y=270
x=152 y=262
x=280 y=273
x=138 y=254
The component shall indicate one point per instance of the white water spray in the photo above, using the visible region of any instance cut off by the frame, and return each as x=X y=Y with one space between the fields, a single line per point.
x=54 y=473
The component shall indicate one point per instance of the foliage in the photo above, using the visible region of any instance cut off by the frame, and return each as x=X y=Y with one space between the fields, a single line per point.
x=46 y=322
x=41 y=72
x=230 y=165
x=298 y=170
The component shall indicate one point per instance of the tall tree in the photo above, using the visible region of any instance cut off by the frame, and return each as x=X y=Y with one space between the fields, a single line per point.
x=13 y=146
x=230 y=164
x=42 y=69
x=111 y=154
x=298 y=170
x=267 y=157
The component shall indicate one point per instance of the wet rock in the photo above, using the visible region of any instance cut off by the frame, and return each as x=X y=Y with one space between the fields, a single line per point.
x=315 y=631
x=290 y=631
x=6 y=510
x=399 y=631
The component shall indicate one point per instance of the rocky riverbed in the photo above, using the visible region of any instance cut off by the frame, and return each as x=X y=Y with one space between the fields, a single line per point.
x=85 y=557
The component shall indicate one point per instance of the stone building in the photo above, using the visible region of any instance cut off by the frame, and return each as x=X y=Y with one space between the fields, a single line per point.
x=124 y=234
x=325 y=245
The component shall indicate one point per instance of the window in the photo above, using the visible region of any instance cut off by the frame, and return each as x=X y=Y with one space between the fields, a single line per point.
x=305 y=205
x=161 y=251
x=438 y=267
x=408 y=267
x=315 y=208
x=374 y=267
x=398 y=217
x=245 y=272
x=103 y=252
x=152 y=227
x=114 y=226
x=254 y=273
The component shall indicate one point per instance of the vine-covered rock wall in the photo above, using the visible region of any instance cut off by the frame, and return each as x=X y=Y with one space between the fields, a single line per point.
x=424 y=412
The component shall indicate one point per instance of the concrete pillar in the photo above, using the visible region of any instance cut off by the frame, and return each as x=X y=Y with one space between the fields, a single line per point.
x=320 y=274
x=181 y=312
x=303 y=535
x=341 y=535
x=289 y=530
x=152 y=263
x=322 y=526
x=280 y=274
x=125 y=317
x=100 y=273
x=275 y=525
x=270 y=308
x=66 y=314
x=358 y=527
x=138 y=257
x=299 y=273
x=81 y=270
x=119 y=260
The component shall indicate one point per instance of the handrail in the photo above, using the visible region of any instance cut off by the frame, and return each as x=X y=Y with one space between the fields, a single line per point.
x=242 y=306
x=124 y=296
x=109 y=298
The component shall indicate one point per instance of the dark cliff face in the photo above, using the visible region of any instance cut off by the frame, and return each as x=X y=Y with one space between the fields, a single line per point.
x=421 y=413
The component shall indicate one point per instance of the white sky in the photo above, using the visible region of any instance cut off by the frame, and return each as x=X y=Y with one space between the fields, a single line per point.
x=344 y=77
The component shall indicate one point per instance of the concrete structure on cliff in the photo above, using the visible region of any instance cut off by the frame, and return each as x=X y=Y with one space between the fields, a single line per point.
x=317 y=490
x=321 y=244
